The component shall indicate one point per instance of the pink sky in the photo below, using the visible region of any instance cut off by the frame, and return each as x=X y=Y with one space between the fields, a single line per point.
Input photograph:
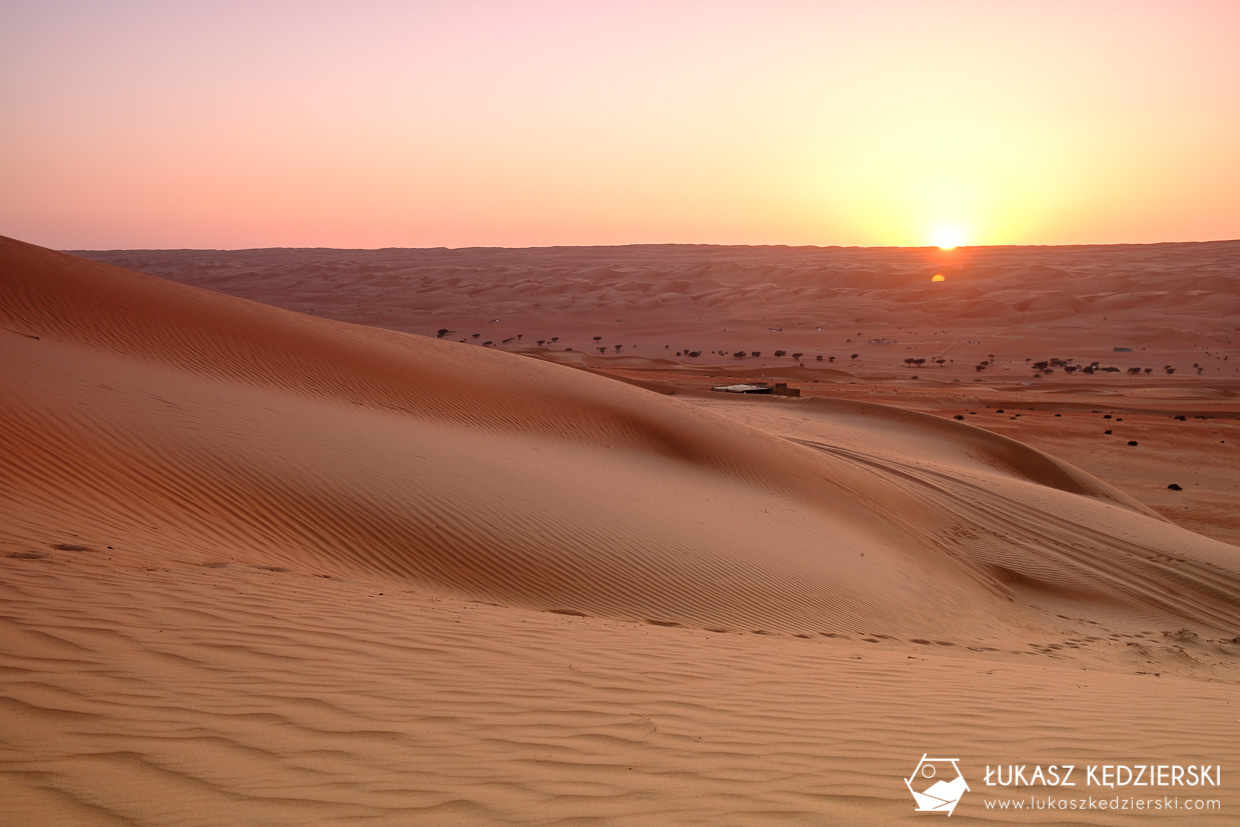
x=372 y=124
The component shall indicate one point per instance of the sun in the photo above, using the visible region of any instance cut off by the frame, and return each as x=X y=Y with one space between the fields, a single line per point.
x=938 y=277
x=947 y=238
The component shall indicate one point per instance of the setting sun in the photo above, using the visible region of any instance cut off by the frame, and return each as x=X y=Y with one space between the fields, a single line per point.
x=948 y=238
x=939 y=277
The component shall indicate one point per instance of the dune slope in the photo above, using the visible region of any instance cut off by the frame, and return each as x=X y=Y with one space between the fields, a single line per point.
x=164 y=420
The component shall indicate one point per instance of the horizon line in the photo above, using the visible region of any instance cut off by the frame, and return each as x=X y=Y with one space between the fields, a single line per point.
x=928 y=247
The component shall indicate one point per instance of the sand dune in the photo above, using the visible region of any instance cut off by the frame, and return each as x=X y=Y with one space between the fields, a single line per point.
x=317 y=517
x=485 y=475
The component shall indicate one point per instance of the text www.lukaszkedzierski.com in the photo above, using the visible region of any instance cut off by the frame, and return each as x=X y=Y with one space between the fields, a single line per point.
x=1091 y=803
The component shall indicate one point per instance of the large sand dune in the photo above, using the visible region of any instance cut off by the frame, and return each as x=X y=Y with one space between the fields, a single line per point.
x=293 y=501
x=148 y=413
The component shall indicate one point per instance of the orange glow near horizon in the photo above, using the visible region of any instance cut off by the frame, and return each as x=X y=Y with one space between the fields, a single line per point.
x=938 y=277
x=544 y=122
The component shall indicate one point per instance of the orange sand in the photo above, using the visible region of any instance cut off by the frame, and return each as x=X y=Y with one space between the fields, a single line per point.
x=263 y=567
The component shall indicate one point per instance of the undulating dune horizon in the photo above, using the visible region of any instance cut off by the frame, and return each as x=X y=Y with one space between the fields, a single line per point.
x=465 y=536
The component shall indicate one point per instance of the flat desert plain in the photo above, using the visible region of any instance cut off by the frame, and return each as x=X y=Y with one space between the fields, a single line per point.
x=313 y=536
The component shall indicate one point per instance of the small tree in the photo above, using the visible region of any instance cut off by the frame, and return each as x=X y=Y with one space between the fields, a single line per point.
x=780 y=353
x=755 y=353
x=740 y=354
x=443 y=331
x=797 y=356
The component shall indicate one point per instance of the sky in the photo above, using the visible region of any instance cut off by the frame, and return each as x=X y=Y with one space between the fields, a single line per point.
x=384 y=123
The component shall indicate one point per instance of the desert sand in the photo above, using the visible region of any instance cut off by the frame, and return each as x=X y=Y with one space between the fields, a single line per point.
x=268 y=558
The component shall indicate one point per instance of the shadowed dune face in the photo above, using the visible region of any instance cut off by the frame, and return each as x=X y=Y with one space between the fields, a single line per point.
x=157 y=417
